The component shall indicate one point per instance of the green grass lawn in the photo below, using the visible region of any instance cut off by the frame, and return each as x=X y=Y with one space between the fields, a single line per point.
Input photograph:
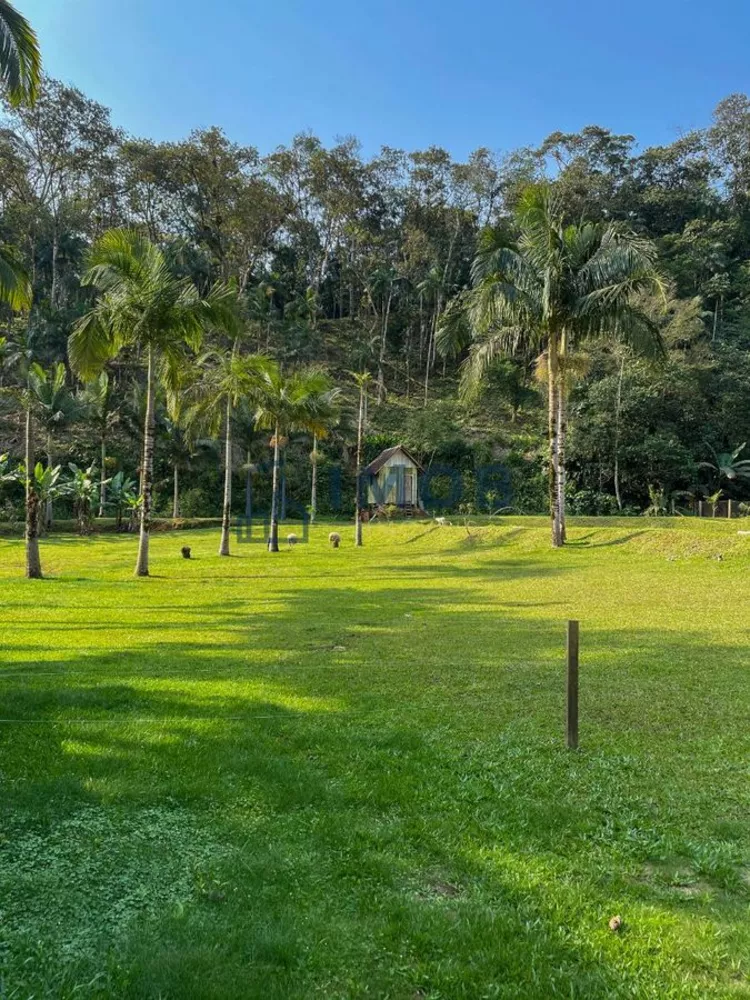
x=341 y=774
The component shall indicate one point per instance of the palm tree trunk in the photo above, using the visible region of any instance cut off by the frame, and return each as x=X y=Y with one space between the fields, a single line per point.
x=103 y=477
x=33 y=560
x=562 y=434
x=618 y=410
x=273 y=540
x=48 y=508
x=553 y=416
x=226 y=514
x=314 y=485
x=358 y=498
x=282 y=516
x=248 y=492
x=141 y=566
x=175 y=492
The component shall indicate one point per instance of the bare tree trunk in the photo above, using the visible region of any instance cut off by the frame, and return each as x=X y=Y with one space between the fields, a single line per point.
x=55 y=253
x=427 y=370
x=408 y=359
x=175 y=492
x=141 y=566
x=33 y=560
x=383 y=345
x=273 y=540
x=358 y=497
x=314 y=485
x=103 y=477
x=226 y=514
x=421 y=325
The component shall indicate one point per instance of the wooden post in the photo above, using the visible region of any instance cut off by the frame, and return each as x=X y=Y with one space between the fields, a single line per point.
x=572 y=712
x=729 y=508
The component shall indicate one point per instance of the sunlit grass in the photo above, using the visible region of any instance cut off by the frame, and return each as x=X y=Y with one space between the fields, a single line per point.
x=341 y=773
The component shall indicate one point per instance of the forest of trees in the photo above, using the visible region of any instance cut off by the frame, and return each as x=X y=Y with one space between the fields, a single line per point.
x=343 y=263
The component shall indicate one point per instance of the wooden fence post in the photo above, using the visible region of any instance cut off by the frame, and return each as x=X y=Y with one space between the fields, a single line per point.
x=729 y=508
x=572 y=686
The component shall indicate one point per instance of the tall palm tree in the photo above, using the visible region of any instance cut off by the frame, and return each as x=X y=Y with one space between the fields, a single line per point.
x=246 y=434
x=362 y=380
x=227 y=379
x=299 y=401
x=55 y=406
x=329 y=416
x=97 y=401
x=20 y=59
x=142 y=304
x=556 y=286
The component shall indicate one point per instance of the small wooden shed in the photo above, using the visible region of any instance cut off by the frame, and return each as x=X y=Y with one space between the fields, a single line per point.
x=393 y=478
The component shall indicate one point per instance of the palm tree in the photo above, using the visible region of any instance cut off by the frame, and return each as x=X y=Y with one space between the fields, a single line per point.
x=296 y=402
x=328 y=416
x=96 y=399
x=144 y=305
x=362 y=380
x=179 y=444
x=554 y=287
x=20 y=59
x=55 y=406
x=227 y=380
x=24 y=397
x=245 y=433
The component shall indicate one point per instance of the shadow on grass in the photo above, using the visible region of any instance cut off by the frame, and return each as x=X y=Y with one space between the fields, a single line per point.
x=382 y=777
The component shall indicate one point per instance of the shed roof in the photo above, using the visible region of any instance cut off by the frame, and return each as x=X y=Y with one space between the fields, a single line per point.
x=377 y=464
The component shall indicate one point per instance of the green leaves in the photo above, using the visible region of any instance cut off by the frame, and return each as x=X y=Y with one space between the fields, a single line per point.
x=20 y=59
x=728 y=465
x=569 y=282
x=304 y=400
x=15 y=287
x=143 y=303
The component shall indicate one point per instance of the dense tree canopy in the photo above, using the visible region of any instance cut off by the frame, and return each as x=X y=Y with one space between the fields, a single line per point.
x=348 y=262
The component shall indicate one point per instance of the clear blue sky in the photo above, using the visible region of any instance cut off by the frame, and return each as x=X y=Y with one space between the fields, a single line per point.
x=406 y=73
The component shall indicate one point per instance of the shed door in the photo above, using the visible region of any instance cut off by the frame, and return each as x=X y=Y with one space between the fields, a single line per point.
x=409 y=493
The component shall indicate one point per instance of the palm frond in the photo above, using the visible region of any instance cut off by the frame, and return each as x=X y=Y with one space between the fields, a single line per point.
x=20 y=59
x=484 y=351
x=15 y=287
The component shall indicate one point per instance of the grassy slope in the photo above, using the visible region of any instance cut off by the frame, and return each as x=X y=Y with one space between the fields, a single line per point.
x=340 y=774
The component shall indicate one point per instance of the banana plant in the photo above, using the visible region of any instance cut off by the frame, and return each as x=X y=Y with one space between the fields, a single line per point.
x=122 y=495
x=7 y=472
x=43 y=484
x=728 y=465
x=85 y=491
